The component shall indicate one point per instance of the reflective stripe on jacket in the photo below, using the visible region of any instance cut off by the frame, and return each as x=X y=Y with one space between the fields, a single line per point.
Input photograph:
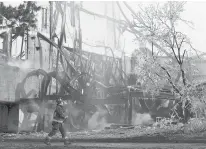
x=59 y=121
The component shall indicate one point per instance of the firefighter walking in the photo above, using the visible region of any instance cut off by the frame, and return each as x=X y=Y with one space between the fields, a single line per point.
x=59 y=118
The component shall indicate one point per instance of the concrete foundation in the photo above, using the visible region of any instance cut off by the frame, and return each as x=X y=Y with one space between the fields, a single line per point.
x=3 y=118
x=19 y=119
x=13 y=119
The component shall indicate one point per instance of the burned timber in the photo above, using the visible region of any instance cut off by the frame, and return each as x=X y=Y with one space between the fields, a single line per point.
x=87 y=80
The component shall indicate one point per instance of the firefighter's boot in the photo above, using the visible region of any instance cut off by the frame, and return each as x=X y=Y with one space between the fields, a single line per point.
x=66 y=142
x=47 y=141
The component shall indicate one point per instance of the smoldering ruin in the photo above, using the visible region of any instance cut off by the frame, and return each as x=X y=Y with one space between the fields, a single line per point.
x=100 y=89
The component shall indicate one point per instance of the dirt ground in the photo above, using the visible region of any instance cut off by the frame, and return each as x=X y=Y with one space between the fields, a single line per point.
x=102 y=146
x=104 y=134
x=134 y=135
x=130 y=138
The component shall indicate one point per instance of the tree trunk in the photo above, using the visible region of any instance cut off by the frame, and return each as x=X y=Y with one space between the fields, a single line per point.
x=184 y=111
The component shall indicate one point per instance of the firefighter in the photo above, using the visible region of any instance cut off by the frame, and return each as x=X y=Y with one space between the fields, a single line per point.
x=59 y=118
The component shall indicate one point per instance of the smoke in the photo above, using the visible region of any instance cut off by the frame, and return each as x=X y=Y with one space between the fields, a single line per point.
x=32 y=106
x=28 y=115
x=141 y=119
x=23 y=65
x=71 y=109
x=73 y=124
x=98 y=120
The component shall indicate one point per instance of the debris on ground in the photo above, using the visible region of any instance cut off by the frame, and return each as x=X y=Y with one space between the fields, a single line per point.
x=161 y=128
x=120 y=132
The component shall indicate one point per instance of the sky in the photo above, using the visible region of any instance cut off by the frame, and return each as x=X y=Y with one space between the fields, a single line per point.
x=194 y=11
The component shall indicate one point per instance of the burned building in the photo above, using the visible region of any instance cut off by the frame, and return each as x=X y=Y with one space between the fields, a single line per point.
x=56 y=61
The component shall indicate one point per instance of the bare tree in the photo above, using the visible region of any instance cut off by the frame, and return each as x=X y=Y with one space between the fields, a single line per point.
x=157 y=26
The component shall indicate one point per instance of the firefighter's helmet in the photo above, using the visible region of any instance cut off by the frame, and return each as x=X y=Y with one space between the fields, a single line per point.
x=59 y=100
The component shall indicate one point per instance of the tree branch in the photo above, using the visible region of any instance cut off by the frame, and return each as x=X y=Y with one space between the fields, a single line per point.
x=175 y=55
x=183 y=75
x=183 y=55
x=141 y=35
x=170 y=80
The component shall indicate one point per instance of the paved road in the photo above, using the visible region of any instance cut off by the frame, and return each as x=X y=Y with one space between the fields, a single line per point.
x=30 y=145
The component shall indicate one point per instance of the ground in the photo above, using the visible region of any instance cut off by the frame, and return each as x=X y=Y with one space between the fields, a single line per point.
x=103 y=146
x=128 y=134
x=138 y=137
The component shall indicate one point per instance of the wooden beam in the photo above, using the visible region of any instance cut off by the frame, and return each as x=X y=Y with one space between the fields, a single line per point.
x=137 y=94
x=109 y=100
x=59 y=49
x=50 y=35
x=40 y=54
x=47 y=97
x=162 y=95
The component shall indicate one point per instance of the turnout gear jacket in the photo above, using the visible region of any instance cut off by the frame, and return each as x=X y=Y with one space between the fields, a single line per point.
x=59 y=114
